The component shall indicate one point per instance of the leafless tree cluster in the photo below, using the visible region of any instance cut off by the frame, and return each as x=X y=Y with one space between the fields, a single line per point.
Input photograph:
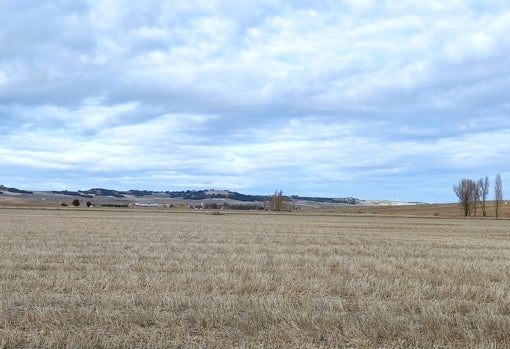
x=472 y=194
x=278 y=202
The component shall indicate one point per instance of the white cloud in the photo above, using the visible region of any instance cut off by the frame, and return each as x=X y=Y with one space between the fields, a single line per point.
x=196 y=92
x=168 y=129
x=88 y=117
x=359 y=5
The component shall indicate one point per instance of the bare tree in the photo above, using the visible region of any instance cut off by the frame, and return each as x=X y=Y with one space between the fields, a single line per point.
x=467 y=193
x=498 y=193
x=475 y=200
x=277 y=201
x=483 y=192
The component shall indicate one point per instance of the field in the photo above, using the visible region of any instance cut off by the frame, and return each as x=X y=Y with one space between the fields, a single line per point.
x=142 y=278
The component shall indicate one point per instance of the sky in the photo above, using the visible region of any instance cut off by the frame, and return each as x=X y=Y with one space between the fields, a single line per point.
x=388 y=100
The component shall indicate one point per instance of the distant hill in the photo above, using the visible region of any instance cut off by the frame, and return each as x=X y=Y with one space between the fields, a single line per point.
x=200 y=195
x=347 y=200
x=185 y=195
x=13 y=190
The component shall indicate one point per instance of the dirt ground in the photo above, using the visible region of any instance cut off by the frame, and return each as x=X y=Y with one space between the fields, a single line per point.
x=422 y=210
x=442 y=210
x=135 y=278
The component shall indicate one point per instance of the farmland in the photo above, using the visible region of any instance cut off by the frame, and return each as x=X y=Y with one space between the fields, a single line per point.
x=149 y=278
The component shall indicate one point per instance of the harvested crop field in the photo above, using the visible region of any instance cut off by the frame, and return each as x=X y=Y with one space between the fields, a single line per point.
x=141 y=278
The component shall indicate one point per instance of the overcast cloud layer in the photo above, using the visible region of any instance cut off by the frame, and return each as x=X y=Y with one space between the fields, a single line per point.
x=372 y=99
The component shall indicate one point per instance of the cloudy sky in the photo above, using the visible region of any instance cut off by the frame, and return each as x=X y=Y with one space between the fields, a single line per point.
x=393 y=100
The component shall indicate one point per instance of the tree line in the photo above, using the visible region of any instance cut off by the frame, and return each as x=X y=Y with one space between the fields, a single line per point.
x=473 y=194
x=279 y=202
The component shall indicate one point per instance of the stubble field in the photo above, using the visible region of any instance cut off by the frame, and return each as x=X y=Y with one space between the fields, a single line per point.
x=100 y=278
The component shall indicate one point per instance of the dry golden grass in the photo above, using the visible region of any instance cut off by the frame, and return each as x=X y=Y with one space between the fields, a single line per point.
x=425 y=210
x=98 y=278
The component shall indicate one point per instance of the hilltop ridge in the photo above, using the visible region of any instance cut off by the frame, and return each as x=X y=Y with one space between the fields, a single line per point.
x=144 y=197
